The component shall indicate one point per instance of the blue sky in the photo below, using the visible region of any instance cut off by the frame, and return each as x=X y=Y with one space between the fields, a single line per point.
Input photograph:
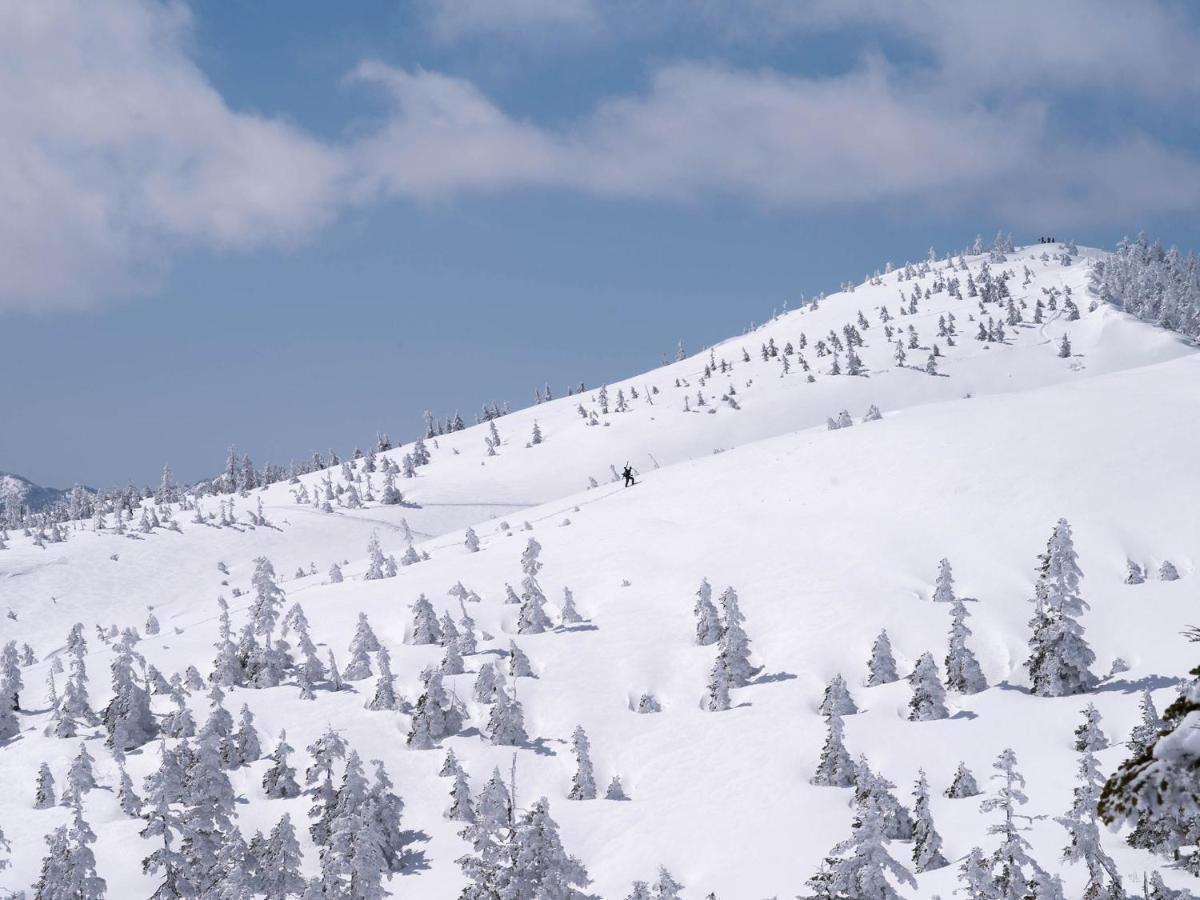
x=289 y=225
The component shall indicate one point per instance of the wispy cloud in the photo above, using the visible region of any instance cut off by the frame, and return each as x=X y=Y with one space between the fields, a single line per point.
x=118 y=150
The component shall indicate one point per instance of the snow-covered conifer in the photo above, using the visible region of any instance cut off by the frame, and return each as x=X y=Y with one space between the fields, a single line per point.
x=858 y=866
x=882 y=666
x=943 y=588
x=519 y=665
x=927 y=843
x=837 y=699
x=717 y=698
x=472 y=541
x=708 y=623
x=1082 y=824
x=43 y=796
x=506 y=723
x=385 y=684
x=1167 y=571
x=836 y=768
x=485 y=683
x=81 y=777
x=425 y=627
x=1060 y=659
x=1014 y=868
x=130 y=802
x=963 y=674
x=869 y=784
x=361 y=645
x=734 y=644
x=615 y=790
x=1146 y=732
x=929 y=697
x=569 y=615
x=461 y=808
x=450 y=764
x=963 y=784
x=1088 y=736
x=279 y=862
x=247 y=747
x=318 y=778
x=583 y=785
x=279 y=781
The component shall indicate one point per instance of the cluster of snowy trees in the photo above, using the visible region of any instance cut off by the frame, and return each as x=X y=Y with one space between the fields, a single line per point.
x=1156 y=285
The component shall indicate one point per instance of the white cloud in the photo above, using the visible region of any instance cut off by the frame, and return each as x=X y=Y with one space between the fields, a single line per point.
x=118 y=151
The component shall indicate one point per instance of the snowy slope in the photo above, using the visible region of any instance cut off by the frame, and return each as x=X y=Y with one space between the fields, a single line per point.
x=827 y=536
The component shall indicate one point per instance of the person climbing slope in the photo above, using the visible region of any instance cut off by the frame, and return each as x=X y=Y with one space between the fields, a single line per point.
x=628 y=473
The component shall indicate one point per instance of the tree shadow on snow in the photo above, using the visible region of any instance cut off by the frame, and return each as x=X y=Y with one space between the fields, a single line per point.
x=1150 y=682
x=540 y=747
x=965 y=714
x=773 y=677
x=1009 y=686
x=583 y=626
x=413 y=861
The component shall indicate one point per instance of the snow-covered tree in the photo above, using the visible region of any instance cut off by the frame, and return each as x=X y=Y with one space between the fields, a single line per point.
x=1088 y=736
x=927 y=843
x=279 y=862
x=708 y=623
x=362 y=645
x=43 y=796
x=1014 y=869
x=385 y=689
x=1146 y=732
x=1158 y=788
x=963 y=674
x=1082 y=824
x=164 y=824
x=506 y=723
x=734 y=644
x=81 y=777
x=717 y=697
x=526 y=862
x=247 y=747
x=325 y=751
x=472 y=541
x=583 y=785
x=279 y=781
x=881 y=668
x=836 y=768
x=425 y=627
x=837 y=699
x=943 y=588
x=1060 y=659
x=929 y=697
x=868 y=784
x=461 y=808
x=859 y=866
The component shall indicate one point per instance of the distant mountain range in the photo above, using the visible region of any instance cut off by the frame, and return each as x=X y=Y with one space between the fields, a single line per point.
x=26 y=492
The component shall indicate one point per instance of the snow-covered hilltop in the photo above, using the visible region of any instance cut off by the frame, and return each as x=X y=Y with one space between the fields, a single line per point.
x=790 y=660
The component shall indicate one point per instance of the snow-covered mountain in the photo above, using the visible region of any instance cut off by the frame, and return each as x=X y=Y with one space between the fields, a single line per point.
x=1007 y=399
x=21 y=492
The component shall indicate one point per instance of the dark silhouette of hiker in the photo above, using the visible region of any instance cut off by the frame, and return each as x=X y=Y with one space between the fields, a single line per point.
x=628 y=474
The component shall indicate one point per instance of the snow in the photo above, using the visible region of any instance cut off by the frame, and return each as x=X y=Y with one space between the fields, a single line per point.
x=827 y=536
